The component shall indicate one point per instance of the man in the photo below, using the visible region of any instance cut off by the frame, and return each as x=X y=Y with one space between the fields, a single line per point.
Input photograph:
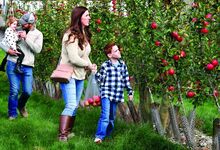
x=30 y=44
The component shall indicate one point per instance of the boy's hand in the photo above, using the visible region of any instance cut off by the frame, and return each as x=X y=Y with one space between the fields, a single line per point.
x=130 y=97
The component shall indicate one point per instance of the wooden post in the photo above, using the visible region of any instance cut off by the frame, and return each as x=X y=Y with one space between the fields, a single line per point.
x=216 y=134
x=122 y=110
x=133 y=111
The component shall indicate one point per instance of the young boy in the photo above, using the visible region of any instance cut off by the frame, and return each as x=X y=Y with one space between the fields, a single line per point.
x=112 y=79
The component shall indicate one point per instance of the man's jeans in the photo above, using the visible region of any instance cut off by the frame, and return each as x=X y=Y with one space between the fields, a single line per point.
x=106 y=120
x=26 y=79
x=72 y=93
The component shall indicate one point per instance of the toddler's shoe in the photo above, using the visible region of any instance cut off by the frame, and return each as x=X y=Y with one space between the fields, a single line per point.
x=18 y=69
x=2 y=69
x=98 y=140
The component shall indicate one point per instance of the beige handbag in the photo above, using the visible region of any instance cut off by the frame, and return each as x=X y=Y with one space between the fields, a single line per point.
x=62 y=73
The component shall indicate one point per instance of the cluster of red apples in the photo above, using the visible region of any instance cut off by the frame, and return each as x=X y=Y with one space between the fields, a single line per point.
x=93 y=101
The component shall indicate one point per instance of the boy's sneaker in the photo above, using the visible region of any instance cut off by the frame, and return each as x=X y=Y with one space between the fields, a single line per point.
x=98 y=140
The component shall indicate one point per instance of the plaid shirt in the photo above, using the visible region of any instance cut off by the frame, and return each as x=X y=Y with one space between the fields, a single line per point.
x=112 y=80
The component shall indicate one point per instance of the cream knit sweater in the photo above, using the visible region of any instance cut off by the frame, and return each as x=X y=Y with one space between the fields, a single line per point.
x=30 y=46
x=72 y=54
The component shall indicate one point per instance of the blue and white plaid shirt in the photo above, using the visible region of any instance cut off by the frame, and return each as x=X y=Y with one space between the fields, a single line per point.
x=112 y=80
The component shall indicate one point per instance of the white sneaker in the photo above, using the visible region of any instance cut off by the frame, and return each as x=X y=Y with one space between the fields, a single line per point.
x=98 y=140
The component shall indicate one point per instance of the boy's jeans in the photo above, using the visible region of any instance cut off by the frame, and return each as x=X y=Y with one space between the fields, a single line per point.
x=72 y=92
x=106 y=120
x=26 y=79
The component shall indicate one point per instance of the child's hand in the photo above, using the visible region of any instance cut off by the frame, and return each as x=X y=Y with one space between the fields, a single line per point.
x=130 y=97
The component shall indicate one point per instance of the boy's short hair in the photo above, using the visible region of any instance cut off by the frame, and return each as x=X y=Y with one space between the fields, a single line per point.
x=108 y=48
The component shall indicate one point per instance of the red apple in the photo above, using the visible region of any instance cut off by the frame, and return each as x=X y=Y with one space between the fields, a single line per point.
x=190 y=94
x=96 y=98
x=165 y=63
x=214 y=62
x=174 y=34
x=153 y=25
x=204 y=30
x=171 y=88
x=210 y=67
x=98 y=30
x=98 y=21
x=176 y=57
x=86 y=103
x=171 y=71
x=205 y=23
x=182 y=53
x=194 y=5
x=216 y=93
x=157 y=43
x=208 y=16
x=90 y=100
x=99 y=103
x=194 y=19
x=179 y=39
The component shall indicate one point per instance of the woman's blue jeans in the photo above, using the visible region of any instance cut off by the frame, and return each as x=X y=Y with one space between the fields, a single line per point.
x=106 y=120
x=26 y=79
x=72 y=93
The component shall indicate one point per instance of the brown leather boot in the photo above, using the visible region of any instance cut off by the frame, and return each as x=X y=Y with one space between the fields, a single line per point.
x=71 y=124
x=64 y=127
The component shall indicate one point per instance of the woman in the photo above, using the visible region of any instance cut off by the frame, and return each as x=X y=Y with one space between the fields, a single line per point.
x=75 y=51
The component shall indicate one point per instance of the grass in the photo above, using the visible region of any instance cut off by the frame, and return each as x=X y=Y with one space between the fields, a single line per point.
x=39 y=131
x=205 y=116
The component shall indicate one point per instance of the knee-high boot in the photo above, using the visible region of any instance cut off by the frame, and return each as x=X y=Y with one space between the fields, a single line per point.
x=64 y=127
x=71 y=125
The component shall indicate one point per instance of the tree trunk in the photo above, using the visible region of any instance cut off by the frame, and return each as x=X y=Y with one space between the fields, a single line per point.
x=187 y=132
x=156 y=118
x=144 y=102
x=174 y=123
x=192 y=118
x=123 y=113
x=216 y=134
x=133 y=111
x=164 y=113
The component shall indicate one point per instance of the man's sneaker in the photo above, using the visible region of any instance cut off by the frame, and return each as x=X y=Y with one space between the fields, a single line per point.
x=23 y=112
x=98 y=140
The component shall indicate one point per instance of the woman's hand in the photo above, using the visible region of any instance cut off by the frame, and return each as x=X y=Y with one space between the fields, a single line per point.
x=93 y=68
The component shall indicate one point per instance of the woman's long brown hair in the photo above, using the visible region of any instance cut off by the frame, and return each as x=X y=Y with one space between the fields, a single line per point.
x=76 y=28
